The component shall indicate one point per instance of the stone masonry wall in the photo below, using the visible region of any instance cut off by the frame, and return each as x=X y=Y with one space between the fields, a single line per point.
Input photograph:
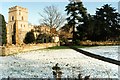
x=14 y=49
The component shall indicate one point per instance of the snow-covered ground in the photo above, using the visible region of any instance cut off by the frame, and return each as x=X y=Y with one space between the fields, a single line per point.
x=106 y=51
x=38 y=64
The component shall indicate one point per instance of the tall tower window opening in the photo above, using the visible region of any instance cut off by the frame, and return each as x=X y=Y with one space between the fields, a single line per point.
x=12 y=18
x=22 y=17
x=19 y=13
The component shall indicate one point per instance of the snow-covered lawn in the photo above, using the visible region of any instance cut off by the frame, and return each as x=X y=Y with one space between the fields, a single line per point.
x=38 y=64
x=106 y=51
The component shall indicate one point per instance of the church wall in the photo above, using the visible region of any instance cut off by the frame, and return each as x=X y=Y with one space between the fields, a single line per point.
x=14 y=49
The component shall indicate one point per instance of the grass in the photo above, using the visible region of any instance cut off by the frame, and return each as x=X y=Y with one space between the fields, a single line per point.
x=67 y=47
x=59 y=47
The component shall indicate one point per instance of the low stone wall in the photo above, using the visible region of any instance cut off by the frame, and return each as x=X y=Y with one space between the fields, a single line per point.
x=8 y=50
x=1 y=50
x=101 y=43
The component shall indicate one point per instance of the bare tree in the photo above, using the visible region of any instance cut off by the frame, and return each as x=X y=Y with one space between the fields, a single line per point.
x=52 y=17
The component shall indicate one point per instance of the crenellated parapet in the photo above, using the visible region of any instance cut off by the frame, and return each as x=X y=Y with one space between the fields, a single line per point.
x=15 y=8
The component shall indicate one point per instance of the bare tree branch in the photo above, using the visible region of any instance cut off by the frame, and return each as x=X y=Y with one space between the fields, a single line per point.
x=52 y=17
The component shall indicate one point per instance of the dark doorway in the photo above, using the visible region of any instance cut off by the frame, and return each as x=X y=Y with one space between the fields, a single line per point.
x=44 y=40
x=14 y=33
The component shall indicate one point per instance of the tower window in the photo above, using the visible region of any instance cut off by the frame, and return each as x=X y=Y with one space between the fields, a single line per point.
x=12 y=18
x=19 y=13
x=24 y=25
x=22 y=17
x=21 y=25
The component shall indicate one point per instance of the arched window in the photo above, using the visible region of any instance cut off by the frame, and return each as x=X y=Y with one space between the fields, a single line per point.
x=12 y=18
x=19 y=13
x=22 y=17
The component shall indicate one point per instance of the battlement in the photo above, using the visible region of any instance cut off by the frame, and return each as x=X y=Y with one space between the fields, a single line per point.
x=18 y=8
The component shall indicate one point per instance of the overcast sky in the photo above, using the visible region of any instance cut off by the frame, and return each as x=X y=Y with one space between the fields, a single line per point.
x=35 y=7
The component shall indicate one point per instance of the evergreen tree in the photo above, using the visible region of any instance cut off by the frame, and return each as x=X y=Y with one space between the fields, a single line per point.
x=90 y=27
x=77 y=15
x=29 y=38
x=3 y=30
x=107 y=23
x=82 y=28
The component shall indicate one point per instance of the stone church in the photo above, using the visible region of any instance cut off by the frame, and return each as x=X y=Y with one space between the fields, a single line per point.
x=17 y=26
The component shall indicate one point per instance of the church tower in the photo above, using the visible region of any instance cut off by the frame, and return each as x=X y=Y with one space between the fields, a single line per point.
x=17 y=25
